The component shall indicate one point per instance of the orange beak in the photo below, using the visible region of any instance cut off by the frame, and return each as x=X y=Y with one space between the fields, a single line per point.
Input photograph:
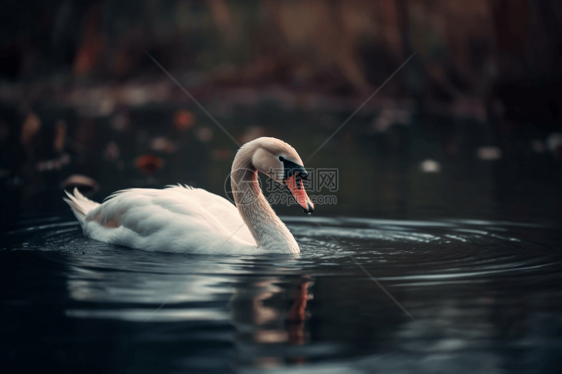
x=299 y=193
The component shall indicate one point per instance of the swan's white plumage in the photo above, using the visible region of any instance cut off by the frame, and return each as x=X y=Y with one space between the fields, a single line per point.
x=185 y=219
x=175 y=219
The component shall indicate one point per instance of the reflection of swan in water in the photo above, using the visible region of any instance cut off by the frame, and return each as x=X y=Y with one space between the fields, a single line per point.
x=251 y=315
x=262 y=318
x=265 y=310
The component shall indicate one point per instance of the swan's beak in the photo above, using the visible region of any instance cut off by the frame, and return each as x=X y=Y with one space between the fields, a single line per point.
x=296 y=188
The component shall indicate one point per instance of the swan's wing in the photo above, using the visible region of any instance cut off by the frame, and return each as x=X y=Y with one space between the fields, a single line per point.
x=150 y=218
x=219 y=207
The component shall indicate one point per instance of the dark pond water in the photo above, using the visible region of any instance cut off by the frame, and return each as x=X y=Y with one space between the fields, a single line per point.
x=470 y=248
x=484 y=297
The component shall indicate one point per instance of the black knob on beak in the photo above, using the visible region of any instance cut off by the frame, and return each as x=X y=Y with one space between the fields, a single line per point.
x=310 y=209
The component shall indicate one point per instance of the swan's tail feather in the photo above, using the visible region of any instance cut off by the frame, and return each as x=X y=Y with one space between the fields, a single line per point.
x=79 y=204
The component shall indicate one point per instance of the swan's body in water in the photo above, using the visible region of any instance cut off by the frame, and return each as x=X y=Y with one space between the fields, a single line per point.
x=185 y=219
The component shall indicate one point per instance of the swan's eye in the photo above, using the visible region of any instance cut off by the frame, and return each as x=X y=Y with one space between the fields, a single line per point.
x=281 y=158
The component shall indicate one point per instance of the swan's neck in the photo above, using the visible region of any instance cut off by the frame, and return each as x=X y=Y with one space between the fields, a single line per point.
x=268 y=230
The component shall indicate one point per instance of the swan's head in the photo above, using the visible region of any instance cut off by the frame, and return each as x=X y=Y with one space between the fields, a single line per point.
x=279 y=161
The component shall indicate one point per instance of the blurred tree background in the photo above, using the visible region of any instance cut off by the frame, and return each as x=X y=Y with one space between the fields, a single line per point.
x=470 y=127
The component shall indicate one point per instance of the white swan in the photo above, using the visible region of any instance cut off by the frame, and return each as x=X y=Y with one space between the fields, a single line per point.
x=185 y=219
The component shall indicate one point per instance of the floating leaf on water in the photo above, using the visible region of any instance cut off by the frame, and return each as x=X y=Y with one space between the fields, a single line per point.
x=489 y=153
x=163 y=144
x=85 y=185
x=390 y=117
x=204 y=134
x=31 y=125
x=60 y=136
x=430 y=166
x=149 y=164
x=184 y=120
x=54 y=164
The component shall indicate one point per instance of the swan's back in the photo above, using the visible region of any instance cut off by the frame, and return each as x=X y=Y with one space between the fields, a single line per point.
x=175 y=219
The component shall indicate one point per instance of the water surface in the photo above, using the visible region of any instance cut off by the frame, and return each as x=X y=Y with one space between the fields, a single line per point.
x=484 y=297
